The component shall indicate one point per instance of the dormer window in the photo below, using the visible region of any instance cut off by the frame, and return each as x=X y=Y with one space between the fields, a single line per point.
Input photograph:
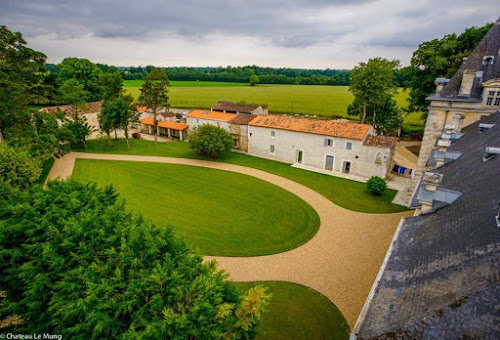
x=493 y=98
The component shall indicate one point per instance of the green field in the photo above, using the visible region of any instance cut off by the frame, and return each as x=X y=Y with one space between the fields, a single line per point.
x=297 y=312
x=186 y=83
x=217 y=212
x=322 y=101
x=345 y=193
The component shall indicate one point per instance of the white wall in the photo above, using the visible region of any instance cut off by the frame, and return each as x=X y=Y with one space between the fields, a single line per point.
x=288 y=143
x=194 y=122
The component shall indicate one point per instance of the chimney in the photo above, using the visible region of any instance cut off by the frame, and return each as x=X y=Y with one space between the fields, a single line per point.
x=443 y=145
x=431 y=182
x=440 y=84
x=467 y=82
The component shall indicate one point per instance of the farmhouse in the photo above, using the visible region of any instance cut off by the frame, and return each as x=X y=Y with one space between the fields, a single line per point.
x=199 y=117
x=230 y=107
x=90 y=111
x=335 y=147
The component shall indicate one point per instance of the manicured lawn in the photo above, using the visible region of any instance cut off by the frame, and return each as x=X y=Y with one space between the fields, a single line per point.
x=317 y=100
x=345 y=193
x=297 y=312
x=218 y=212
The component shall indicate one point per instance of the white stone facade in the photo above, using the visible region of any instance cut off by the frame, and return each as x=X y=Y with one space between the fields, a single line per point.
x=193 y=122
x=319 y=151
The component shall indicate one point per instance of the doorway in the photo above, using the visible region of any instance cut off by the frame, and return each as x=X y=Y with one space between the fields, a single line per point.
x=300 y=155
x=329 y=163
x=346 y=168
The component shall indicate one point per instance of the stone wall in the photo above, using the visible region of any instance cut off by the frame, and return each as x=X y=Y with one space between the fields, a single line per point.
x=365 y=161
x=194 y=122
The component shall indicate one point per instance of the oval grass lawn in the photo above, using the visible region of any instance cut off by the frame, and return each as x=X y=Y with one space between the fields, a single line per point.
x=218 y=212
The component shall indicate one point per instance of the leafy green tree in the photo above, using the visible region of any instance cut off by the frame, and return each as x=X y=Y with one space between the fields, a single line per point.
x=376 y=185
x=439 y=58
x=254 y=80
x=154 y=94
x=42 y=137
x=210 y=140
x=75 y=262
x=18 y=169
x=85 y=73
x=372 y=83
x=119 y=113
x=73 y=92
x=388 y=118
x=21 y=70
x=111 y=85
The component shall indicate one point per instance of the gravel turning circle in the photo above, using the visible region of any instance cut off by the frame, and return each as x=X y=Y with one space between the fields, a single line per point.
x=341 y=261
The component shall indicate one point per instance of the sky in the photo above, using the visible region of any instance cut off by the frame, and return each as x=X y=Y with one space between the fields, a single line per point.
x=278 y=33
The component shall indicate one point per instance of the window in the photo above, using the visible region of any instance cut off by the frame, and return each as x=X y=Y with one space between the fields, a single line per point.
x=328 y=142
x=348 y=146
x=273 y=133
x=218 y=124
x=489 y=101
x=491 y=93
x=346 y=167
x=271 y=149
x=378 y=158
x=497 y=101
x=197 y=121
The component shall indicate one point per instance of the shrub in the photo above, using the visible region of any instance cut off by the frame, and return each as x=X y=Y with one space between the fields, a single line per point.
x=210 y=141
x=376 y=185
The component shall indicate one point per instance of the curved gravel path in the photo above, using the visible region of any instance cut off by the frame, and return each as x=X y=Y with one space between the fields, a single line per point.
x=341 y=261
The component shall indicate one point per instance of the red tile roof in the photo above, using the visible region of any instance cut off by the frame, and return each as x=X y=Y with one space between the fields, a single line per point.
x=316 y=126
x=212 y=115
x=165 y=124
x=92 y=107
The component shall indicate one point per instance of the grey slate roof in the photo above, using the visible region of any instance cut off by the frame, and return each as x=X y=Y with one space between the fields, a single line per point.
x=442 y=279
x=231 y=107
x=488 y=46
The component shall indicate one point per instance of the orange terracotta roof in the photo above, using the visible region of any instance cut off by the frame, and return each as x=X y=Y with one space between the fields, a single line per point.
x=212 y=115
x=320 y=127
x=141 y=108
x=147 y=121
x=165 y=124
x=92 y=107
x=173 y=125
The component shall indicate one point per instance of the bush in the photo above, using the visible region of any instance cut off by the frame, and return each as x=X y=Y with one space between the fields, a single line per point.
x=376 y=185
x=210 y=141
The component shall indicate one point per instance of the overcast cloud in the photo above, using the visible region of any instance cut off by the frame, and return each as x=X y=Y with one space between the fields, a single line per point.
x=291 y=33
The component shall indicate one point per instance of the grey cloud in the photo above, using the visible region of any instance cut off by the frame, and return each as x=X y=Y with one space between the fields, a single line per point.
x=143 y=20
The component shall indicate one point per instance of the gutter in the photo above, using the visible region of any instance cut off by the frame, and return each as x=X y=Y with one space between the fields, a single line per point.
x=369 y=299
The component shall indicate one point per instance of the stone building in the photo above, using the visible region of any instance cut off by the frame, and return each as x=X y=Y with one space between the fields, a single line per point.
x=328 y=146
x=199 y=117
x=441 y=276
x=471 y=94
x=230 y=107
x=239 y=131
x=90 y=111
